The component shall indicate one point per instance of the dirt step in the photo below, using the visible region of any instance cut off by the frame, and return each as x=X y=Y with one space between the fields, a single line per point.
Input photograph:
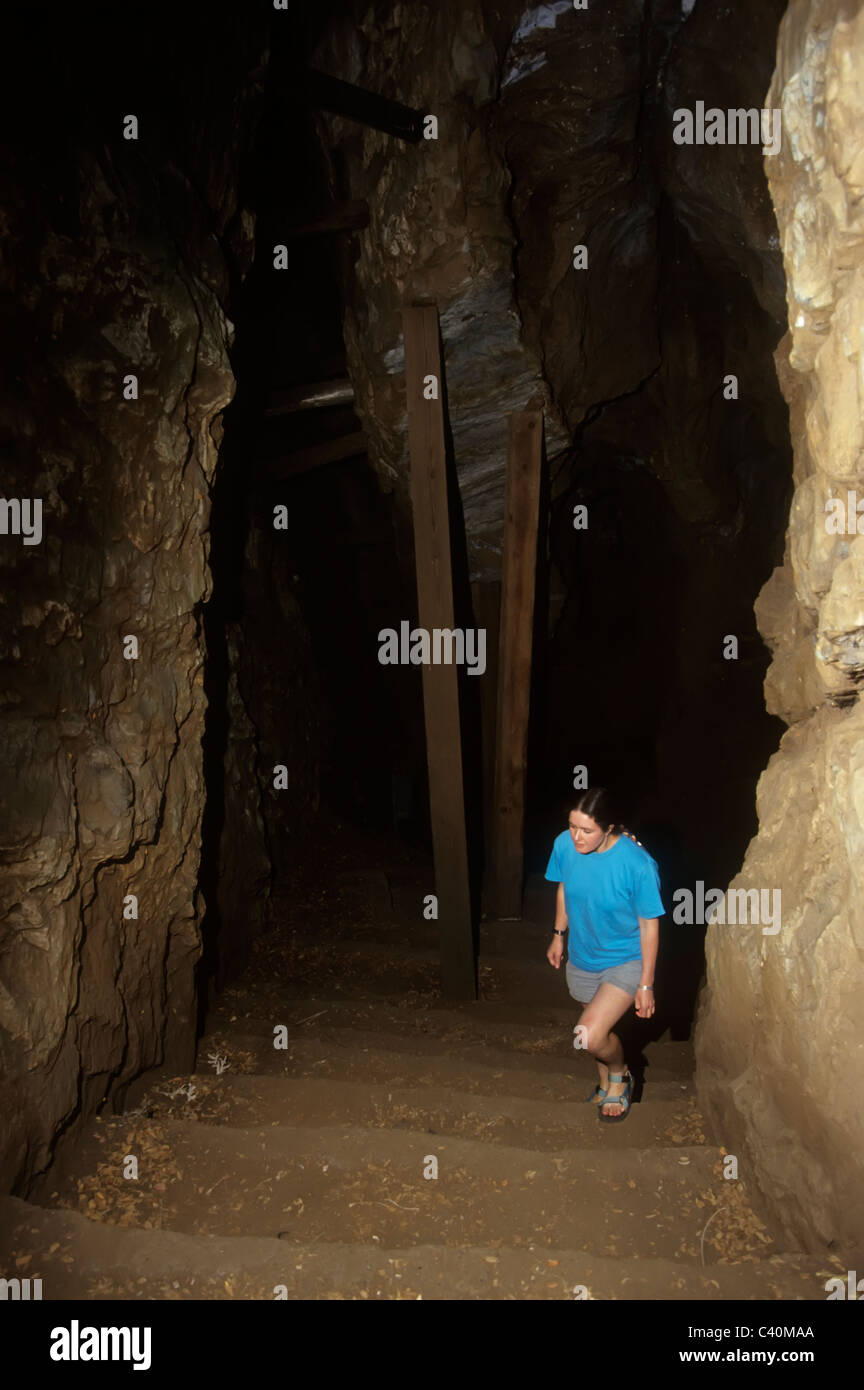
x=369 y=899
x=525 y=1029
x=351 y=968
x=92 y=1260
x=398 y=893
x=347 y=1183
x=542 y=1124
x=354 y=1055
x=524 y=941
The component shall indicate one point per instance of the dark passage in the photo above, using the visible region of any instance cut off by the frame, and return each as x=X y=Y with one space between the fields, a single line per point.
x=679 y=458
x=223 y=951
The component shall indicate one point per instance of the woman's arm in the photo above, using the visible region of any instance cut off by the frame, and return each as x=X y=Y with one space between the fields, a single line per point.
x=560 y=910
x=649 y=936
x=555 y=953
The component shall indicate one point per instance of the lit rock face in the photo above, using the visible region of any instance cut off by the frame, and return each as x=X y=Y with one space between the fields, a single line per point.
x=568 y=126
x=684 y=486
x=113 y=268
x=780 y=1027
x=534 y=221
x=555 y=133
x=438 y=231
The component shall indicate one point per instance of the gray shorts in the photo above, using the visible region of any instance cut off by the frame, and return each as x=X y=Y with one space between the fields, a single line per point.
x=584 y=984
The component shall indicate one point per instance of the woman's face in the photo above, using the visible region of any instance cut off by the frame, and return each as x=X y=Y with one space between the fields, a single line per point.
x=585 y=832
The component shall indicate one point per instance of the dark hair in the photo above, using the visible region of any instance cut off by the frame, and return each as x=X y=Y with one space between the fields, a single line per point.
x=595 y=802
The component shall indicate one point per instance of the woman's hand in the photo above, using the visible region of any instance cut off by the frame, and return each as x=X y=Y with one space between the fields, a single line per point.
x=644 y=1001
x=556 y=951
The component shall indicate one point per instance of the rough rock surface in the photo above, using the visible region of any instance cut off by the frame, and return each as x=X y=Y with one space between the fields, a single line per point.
x=438 y=230
x=114 y=263
x=685 y=488
x=285 y=702
x=554 y=132
x=780 y=1025
x=568 y=125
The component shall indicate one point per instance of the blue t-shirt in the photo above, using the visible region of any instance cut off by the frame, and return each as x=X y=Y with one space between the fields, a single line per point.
x=605 y=895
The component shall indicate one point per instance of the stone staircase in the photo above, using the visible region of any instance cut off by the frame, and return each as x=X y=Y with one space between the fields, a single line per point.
x=308 y=1170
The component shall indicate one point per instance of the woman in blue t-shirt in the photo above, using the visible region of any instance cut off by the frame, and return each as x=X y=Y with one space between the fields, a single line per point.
x=609 y=900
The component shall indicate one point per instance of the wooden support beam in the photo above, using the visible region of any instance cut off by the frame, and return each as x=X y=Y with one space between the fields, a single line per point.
x=303 y=460
x=514 y=659
x=344 y=99
x=486 y=602
x=440 y=682
x=342 y=217
x=313 y=395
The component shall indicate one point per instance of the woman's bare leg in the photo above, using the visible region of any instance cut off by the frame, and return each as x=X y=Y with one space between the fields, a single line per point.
x=598 y=1018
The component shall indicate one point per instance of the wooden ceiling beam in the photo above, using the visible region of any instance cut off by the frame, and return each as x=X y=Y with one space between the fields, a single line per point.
x=304 y=460
x=330 y=221
x=314 y=395
x=368 y=108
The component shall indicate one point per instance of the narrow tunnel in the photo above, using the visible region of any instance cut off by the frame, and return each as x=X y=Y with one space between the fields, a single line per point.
x=231 y=825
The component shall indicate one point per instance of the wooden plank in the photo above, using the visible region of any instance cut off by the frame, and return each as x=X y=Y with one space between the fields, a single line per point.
x=440 y=682
x=356 y=104
x=486 y=602
x=316 y=395
x=340 y=217
x=514 y=659
x=331 y=451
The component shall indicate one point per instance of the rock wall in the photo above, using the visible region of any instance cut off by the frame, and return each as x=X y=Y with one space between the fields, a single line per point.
x=118 y=260
x=555 y=132
x=684 y=284
x=438 y=230
x=780 y=1023
x=278 y=677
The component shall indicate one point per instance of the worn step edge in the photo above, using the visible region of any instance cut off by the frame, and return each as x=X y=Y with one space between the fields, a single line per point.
x=324 y=1101
x=389 y=1019
x=330 y=1184
x=526 y=951
x=352 y=1047
x=442 y=1273
x=513 y=1013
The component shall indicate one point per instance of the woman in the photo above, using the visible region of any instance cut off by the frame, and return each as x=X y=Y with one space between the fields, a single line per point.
x=609 y=898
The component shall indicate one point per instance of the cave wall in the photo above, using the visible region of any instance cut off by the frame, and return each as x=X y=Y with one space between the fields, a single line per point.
x=278 y=677
x=119 y=258
x=687 y=492
x=439 y=229
x=780 y=1023
x=555 y=131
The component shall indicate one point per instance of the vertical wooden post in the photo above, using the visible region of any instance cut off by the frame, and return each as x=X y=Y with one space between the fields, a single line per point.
x=486 y=601
x=424 y=386
x=514 y=658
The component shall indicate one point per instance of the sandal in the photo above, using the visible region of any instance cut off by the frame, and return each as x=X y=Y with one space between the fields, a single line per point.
x=598 y=1091
x=618 y=1100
